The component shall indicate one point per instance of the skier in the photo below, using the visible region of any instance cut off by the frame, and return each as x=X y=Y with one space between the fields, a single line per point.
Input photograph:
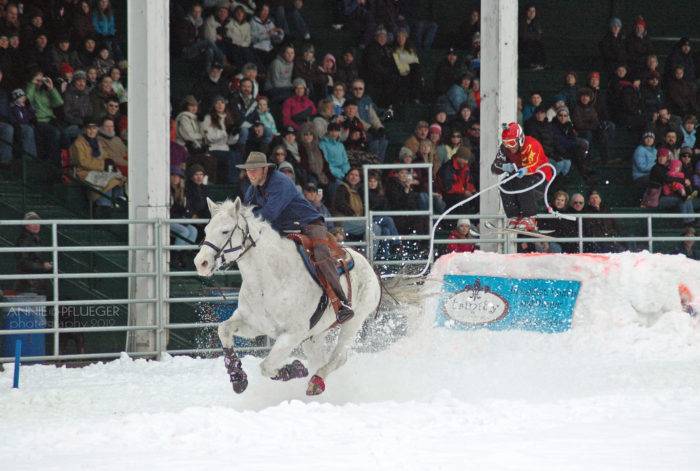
x=524 y=155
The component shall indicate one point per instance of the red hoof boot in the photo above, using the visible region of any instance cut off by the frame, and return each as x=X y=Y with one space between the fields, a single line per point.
x=316 y=386
x=294 y=370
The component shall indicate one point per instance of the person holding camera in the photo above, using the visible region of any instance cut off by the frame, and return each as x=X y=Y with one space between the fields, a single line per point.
x=370 y=114
x=44 y=97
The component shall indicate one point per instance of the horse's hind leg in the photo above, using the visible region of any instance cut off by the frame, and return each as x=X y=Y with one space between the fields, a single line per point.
x=280 y=351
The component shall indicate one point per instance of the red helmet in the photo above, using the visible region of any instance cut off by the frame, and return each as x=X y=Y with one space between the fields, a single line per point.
x=512 y=134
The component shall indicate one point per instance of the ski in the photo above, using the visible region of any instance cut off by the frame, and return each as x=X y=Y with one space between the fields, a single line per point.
x=544 y=234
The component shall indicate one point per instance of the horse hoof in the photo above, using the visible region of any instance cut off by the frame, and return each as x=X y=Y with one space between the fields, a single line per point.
x=294 y=370
x=239 y=386
x=316 y=386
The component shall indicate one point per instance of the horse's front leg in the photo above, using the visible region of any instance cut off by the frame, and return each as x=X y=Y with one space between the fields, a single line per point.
x=235 y=325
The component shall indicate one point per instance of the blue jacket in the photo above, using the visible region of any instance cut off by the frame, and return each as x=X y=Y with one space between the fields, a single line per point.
x=336 y=156
x=643 y=160
x=689 y=138
x=104 y=25
x=280 y=203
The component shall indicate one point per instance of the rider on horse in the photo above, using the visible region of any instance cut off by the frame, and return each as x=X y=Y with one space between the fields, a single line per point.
x=277 y=200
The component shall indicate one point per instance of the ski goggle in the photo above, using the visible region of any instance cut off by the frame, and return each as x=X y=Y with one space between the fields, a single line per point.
x=510 y=142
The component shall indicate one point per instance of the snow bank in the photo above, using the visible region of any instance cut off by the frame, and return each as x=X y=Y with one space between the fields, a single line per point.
x=616 y=289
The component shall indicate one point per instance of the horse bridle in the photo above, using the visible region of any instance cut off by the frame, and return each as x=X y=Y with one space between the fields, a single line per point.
x=228 y=247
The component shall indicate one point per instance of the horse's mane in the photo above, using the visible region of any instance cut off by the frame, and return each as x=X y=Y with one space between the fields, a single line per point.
x=246 y=211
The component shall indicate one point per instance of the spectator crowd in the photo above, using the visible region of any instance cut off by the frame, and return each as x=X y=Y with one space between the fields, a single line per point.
x=63 y=95
x=264 y=86
x=260 y=82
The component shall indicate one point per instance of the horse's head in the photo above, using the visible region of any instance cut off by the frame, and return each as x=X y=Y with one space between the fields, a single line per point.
x=225 y=236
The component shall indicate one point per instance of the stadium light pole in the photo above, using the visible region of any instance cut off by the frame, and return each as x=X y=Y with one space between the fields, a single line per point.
x=149 y=159
x=499 y=92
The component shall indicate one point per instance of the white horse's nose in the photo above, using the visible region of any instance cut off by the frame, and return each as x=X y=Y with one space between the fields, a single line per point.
x=203 y=265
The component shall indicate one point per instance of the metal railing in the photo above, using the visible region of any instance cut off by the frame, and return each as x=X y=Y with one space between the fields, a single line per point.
x=162 y=272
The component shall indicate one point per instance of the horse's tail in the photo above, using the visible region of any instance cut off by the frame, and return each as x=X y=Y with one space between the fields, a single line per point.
x=402 y=289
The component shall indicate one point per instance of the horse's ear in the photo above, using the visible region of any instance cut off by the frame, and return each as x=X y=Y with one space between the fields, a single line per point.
x=236 y=207
x=213 y=207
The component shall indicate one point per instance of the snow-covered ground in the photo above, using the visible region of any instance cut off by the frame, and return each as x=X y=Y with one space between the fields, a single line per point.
x=621 y=396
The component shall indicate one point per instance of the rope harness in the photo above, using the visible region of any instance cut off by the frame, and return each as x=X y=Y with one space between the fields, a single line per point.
x=498 y=185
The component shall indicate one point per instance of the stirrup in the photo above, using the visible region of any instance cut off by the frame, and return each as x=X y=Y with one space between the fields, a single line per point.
x=344 y=314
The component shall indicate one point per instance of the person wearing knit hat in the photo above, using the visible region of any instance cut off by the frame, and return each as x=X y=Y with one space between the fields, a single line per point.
x=638 y=46
x=298 y=109
x=612 y=47
x=462 y=231
x=66 y=71
x=196 y=168
x=435 y=130
x=30 y=262
x=299 y=82
x=454 y=179
x=288 y=169
x=420 y=133
x=275 y=198
x=197 y=192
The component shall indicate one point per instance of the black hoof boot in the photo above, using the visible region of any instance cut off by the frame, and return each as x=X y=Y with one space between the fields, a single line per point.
x=239 y=380
x=292 y=371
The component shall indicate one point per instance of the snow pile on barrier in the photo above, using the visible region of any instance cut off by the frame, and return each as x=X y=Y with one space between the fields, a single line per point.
x=616 y=289
x=617 y=391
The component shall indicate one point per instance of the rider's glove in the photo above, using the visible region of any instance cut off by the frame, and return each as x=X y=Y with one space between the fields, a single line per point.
x=509 y=167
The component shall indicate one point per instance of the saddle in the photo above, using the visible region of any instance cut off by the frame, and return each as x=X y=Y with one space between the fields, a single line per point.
x=343 y=263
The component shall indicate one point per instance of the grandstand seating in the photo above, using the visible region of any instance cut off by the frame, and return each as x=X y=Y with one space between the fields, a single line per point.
x=572 y=31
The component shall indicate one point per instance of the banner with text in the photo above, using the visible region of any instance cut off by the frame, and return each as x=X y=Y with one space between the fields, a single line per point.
x=471 y=301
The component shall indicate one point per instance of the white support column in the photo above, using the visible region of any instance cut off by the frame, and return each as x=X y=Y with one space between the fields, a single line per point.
x=499 y=91
x=149 y=158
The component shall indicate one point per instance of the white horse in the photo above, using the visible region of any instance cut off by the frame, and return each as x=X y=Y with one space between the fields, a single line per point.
x=278 y=295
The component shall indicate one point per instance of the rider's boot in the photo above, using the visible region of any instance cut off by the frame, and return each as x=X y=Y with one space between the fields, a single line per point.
x=330 y=273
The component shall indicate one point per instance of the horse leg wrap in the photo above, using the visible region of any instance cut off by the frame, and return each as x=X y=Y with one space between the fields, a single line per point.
x=294 y=370
x=316 y=386
x=239 y=380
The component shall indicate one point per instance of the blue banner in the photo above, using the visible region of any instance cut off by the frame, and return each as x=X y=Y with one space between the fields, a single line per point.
x=473 y=302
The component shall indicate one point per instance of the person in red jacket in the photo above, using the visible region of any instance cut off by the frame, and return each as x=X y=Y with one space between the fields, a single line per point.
x=524 y=155
x=454 y=180
x=298 y=108
x=463 y=231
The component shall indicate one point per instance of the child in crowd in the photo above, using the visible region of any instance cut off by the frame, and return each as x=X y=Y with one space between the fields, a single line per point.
x=463 y=231
x=266 y=118
x=678 y=184
x=116 y=74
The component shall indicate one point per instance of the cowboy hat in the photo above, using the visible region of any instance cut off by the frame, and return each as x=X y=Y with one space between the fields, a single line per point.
x=255 y=160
